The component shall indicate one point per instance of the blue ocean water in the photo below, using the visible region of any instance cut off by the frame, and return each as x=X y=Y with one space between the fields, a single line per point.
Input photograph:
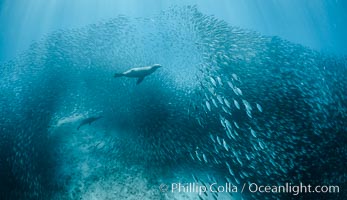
x=249 y=93
x=319 y=24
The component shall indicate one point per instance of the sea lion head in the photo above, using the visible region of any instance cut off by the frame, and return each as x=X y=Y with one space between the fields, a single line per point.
x=156 y=66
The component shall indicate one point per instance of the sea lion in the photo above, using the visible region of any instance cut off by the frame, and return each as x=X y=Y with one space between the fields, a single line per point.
x=139 y=72
x=88 y=120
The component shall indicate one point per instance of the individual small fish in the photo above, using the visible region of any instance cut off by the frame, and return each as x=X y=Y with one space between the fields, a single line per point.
x=227 y=124
x=191 y=156
x=211 y=136
x=227 y=103
x=214 y=102
x=249 y=113
x=219 y=81
x=230 y=84
x=204 y=157
x=226 y=110
x=219 y=98
x=237 y=105
x=253 y=133
x=261 y=144
x=259 y=108
x=195 y=178
x=235 y=77
x=218 y=140
x=239 y=161
x=246 y=104
x=225 y=145
x=213 y=81
x=197 y=156
x=236 y=125
x=222 y=120
x=208 y=106
x=230 y=170
x=238 y=91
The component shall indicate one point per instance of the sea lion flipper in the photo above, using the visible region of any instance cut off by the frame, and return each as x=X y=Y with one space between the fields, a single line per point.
x=139 y=80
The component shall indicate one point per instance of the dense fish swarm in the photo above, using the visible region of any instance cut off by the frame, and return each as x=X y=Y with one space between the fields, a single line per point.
x=228 y=105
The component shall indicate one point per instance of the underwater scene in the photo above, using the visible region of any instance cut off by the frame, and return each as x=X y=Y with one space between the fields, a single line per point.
x=180 y=101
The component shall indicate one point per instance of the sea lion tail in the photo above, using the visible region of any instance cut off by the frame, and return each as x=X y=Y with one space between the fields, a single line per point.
x=118 y=75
